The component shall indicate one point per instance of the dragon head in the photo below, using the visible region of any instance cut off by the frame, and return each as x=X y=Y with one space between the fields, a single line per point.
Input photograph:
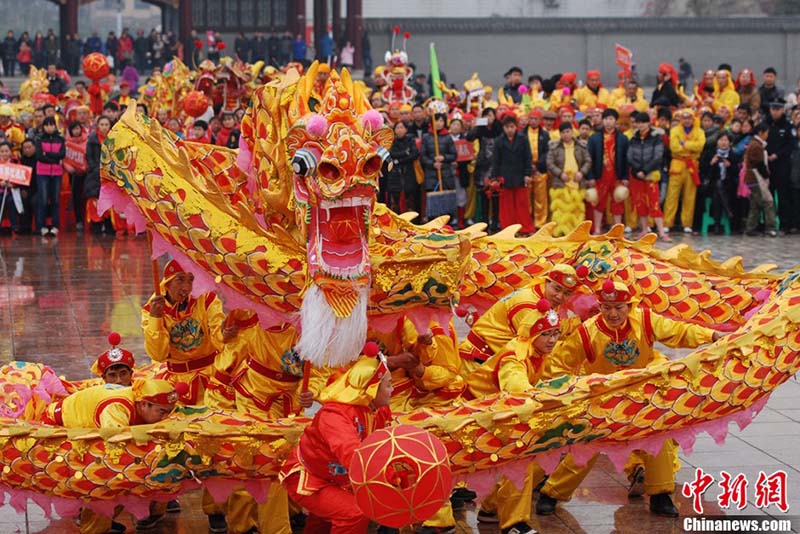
x=336 y=150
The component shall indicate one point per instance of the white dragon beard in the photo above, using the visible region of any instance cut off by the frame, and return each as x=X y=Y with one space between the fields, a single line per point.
x=327 y=340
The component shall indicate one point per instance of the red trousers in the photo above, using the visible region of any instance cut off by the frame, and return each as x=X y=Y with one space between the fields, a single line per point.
x=645 y=198
x=331 y=510
x=605 y=193
x=515 y=208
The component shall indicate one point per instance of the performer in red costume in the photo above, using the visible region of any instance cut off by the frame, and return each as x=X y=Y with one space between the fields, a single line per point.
x=315 y=474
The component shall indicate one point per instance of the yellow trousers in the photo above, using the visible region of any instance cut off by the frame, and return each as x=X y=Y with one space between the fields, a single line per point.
x=659 y=473
x=243 y=513
x=539 y=200
x=513 y=505
x=680 y=186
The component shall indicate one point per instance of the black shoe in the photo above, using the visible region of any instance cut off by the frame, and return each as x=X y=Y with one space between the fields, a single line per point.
x=753 y=233
x=217 y=524
x=298 y=521
x=488 y=518
x=661 y=504
x=116 y=528
x=174 y=507
x=546 y=505
x=636 y=488
x=520 y=528
x=436 y=530
x=387 y=530
x=148 y=522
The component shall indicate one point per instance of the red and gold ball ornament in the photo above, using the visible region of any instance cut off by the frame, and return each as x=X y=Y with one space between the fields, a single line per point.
x=400 y=475
x=195 y=103
x=95 y=66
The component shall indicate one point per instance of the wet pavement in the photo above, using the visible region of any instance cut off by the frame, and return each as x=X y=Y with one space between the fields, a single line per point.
x=59 y=298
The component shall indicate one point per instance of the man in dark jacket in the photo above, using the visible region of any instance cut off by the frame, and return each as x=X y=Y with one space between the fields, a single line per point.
x=141 y=46
x=779 y=148
x=10 y=50
x=112 y=47
x=57 y=85
x=273 y=48
x=513 y=163
x=241 y=47
x=645 y=160
x=258 y=48
x=665 y=90
x=609 y=152
x=769 y=90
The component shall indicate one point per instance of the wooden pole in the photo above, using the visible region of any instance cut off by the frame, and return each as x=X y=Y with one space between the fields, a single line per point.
x=154 y=262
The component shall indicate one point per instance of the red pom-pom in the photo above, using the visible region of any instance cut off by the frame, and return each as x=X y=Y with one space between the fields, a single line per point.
x=608 y=286
x=221 y=45
x=181 y=388
x=114 y=339
x=462 y=311
x=543 y=305
x=407 y=35
x=198 y=44
x=396 y=29
x=370 y=349
x=582 y=271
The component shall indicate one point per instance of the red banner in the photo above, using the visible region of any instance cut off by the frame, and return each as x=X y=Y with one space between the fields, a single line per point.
x=16 y=174
x=76 y=156
x=465 y=150
x=623 y=56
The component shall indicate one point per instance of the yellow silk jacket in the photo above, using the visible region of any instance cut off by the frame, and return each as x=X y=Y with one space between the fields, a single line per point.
x=596 y=348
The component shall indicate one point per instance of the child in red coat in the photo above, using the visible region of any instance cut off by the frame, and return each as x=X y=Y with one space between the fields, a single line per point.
x=315 y=474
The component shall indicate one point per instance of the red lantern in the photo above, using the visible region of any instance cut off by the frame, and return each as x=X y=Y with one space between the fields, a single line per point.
x=400 y=475
x=195 y=103
x=95 y=66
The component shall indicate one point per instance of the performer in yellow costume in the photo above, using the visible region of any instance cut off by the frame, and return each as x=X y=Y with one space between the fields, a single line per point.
x=114 y=406
x=593 y=93
x=502 y=321
x=185 y=332
x=620 y=337
x=515 y=369
x=685 y=143
x=260 y=373
x=725 y=93
x=425 y=372
x=538 y=139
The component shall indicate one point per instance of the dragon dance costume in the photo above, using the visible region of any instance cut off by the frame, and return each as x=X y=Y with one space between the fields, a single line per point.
x=108 y=406
x=515 y=369
x=258 y=373
x=501 y=323
x=187 y=338
x=595 y=347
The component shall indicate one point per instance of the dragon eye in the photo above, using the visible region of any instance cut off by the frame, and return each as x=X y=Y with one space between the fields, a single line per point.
x=303 y=162
x=372 y=165
x=328 y=171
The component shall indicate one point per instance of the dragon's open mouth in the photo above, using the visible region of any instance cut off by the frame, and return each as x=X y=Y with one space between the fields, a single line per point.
x=338 y=237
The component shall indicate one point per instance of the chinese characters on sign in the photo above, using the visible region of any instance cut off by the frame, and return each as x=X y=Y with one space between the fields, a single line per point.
x=767 y=490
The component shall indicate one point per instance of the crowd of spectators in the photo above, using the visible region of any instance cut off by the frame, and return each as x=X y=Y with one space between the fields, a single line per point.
x=721 y=156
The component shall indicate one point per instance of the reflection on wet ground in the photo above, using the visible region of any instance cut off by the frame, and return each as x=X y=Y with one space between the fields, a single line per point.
x=59 y=298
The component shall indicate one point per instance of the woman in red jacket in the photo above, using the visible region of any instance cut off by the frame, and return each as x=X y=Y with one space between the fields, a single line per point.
x=315 y=474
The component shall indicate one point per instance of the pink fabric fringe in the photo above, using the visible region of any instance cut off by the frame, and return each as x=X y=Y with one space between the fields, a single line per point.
x=482 y=482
